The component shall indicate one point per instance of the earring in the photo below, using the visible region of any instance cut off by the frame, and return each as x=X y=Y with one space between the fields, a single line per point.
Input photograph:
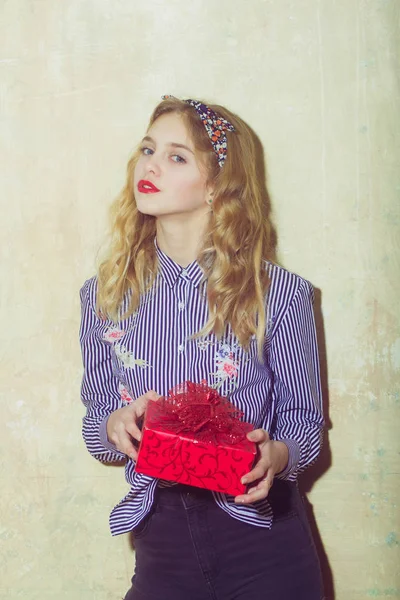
x=210 y=201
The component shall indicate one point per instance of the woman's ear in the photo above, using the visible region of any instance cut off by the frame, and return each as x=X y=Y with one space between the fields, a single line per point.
x=210 y=196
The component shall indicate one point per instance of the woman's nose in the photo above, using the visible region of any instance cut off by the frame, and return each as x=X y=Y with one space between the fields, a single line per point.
x=153 y=165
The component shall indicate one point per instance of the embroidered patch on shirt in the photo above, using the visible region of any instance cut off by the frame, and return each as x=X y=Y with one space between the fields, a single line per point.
x=125 y=395
x=204 y=344
x=227 y=366
x=113 y=334
x=127 y=358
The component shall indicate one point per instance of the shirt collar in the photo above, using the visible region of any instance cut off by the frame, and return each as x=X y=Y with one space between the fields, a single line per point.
x=171 y=271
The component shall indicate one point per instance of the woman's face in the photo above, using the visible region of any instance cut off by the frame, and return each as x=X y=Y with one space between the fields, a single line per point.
x=168 y=180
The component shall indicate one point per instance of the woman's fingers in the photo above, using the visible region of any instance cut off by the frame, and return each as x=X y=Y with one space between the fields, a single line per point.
x=133 y=430
x=257 y=473
x=258 y=436
x=126 y=446
x=269 y=477
x=122 y=425
x=141 y=403
x=126 y=431
x=138 y=408
x=261 y=438
x=262 y=475
x=257 y=492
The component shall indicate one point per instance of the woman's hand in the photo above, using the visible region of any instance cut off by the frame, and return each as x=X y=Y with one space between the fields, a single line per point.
x=274 y=457
x=122 y=424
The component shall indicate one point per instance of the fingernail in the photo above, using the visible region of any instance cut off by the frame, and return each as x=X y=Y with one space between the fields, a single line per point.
x=244 y=480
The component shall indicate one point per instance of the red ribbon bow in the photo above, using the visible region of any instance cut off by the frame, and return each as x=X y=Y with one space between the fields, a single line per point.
x=197 y=408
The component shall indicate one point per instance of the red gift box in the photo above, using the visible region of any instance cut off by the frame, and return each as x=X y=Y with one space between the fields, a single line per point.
x=194 y=436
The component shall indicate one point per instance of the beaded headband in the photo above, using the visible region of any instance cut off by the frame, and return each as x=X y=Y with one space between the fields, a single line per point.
x=215 y=125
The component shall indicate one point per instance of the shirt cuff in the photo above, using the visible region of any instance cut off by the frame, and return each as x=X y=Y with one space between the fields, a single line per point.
x=105 y=441
x=290 y=471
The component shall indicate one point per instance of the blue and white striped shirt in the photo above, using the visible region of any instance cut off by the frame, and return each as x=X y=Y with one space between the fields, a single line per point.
x=154 y=349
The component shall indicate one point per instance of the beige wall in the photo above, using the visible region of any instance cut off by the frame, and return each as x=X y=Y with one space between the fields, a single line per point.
x=319 y=82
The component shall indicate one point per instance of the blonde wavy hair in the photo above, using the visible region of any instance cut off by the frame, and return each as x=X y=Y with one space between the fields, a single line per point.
x=236 y=244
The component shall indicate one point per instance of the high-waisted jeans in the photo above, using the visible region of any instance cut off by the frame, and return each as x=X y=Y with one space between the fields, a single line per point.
x=190 y=549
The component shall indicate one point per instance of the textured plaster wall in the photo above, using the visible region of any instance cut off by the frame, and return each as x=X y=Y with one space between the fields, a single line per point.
x=319 y=82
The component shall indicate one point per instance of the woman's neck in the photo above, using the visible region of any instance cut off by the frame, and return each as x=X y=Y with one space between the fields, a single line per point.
x=180 y=241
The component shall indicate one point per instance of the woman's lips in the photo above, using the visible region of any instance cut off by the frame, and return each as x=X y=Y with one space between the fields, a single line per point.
x=146 y=187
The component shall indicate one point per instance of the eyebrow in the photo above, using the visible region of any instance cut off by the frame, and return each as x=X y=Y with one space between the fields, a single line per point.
x=147 y=138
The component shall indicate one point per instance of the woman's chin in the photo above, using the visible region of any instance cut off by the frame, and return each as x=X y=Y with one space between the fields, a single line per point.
x=145 y=209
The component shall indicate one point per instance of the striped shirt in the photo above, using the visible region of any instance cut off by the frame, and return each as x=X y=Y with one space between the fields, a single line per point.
x=153 y=349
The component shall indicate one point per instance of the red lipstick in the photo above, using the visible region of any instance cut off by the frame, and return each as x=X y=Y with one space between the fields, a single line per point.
x=146 y=187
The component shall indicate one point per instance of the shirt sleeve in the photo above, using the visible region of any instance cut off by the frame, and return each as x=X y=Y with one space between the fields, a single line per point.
x=298 y=419
x=99 y=390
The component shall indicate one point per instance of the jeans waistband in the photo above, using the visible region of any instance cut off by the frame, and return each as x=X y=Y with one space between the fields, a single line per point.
x=173 y=494
x=283 y=497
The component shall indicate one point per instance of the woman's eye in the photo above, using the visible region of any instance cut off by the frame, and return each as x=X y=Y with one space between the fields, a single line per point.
x=146 y=151
x=178 y=159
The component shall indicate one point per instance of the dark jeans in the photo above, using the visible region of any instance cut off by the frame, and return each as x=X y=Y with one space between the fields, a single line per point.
x=190 y=549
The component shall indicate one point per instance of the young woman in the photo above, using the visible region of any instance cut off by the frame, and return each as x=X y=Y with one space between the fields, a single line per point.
x=188 y=293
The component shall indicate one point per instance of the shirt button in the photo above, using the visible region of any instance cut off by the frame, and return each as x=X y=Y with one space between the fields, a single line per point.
x=181 y=305
x=184 y=273
x=181 y=348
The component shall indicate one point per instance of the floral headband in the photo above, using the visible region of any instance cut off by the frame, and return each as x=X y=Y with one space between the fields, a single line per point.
x=215 y=125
